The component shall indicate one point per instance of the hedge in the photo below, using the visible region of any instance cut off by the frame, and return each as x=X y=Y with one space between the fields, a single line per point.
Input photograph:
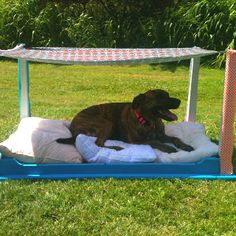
x=119 y=23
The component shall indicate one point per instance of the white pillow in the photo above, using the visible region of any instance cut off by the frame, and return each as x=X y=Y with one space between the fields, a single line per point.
x=131 y=152
x=190 y=133
x=34 y=142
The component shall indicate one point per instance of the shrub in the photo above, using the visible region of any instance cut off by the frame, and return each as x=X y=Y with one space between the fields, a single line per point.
x=119 y=23
x=17 y=22
x=205 y=23
x=97 y=23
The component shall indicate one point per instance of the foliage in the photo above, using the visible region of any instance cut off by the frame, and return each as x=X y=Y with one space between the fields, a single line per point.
x=113 y=23
x=206 y=23
x=75 y=23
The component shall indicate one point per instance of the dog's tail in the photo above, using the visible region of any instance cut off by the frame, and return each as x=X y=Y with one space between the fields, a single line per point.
x=70 y=140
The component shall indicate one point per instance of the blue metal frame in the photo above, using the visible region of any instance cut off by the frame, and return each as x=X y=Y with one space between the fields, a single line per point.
x=23 y=88
x=208 y=168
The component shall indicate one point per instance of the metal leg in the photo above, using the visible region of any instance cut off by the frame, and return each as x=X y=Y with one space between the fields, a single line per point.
x=192 y=92
x=23 y=88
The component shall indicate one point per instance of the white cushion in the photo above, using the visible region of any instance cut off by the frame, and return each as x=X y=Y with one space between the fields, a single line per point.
x=131 y=152
x=190 y=133
x=34 y=142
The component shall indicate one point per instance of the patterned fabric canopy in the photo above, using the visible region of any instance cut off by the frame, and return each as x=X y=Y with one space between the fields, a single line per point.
x=93 y=56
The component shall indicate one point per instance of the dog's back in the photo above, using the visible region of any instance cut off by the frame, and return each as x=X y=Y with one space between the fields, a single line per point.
x=90 y=120
x=97 y=119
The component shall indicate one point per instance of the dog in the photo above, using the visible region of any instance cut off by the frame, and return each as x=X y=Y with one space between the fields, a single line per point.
x=139 y=122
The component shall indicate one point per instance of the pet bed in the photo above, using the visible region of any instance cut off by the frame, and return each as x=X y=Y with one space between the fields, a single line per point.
x=190 y=133
x=34 y=141
x=209 y=167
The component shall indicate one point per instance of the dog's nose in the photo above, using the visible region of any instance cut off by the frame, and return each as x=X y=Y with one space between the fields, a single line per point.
x=174 y=103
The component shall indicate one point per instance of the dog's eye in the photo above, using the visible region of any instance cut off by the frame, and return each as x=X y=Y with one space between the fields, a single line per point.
x=163 y=95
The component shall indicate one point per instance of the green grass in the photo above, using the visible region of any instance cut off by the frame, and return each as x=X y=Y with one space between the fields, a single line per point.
x=112 y=207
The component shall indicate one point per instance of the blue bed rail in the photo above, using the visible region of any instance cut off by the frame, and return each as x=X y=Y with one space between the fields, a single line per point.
x=208 y=168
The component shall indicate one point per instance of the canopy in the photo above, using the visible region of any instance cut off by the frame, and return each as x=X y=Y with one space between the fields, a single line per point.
x=106 y=56
x=207 y=168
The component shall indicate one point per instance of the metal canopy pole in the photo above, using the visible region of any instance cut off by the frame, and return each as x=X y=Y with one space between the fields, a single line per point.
x=193 y=89
x=23 y=88
x=228 y=114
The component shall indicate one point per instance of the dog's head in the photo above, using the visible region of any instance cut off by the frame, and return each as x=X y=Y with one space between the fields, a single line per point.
x=156 y=104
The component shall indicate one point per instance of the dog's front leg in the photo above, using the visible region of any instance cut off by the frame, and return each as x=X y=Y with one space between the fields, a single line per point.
x=162 y=146
x=104 y=133
x=158 y=145
x=177 y=142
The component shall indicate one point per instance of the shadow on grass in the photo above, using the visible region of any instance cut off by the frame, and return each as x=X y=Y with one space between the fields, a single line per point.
x=234 y=160
x=169 y=66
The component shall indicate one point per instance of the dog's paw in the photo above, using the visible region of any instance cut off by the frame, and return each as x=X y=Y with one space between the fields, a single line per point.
x=187 y=148
x=117 y=148
x=168 y=149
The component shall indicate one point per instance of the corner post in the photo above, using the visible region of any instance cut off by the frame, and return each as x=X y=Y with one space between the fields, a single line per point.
x=23 y=88
x=228 y=114
x=193 y=89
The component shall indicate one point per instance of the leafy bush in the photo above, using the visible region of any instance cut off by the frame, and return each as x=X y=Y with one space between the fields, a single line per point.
x=16 y=19
x=118 y=23
x=97 y=23
x=205 y=23
x=49 y=26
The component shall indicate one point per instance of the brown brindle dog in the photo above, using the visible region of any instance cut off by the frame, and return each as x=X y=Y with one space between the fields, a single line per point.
x=138 y=122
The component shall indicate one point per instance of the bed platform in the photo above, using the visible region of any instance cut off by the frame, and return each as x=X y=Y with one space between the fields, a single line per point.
x=215 y=167
x=208 y=168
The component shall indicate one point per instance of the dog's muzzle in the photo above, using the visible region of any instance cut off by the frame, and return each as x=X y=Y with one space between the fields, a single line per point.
x=165 y=113
x=173 y=103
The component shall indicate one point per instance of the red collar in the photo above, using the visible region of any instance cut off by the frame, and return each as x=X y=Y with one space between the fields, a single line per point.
x=142 y=120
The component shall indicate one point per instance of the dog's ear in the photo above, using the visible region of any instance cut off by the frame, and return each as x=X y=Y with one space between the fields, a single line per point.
x=138 y=100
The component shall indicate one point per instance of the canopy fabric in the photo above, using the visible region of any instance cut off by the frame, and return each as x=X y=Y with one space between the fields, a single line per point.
x=107 y=56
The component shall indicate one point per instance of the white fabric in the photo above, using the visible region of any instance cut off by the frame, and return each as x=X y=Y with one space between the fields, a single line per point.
x=190 y=133
x=34 y=142
x=131 y=152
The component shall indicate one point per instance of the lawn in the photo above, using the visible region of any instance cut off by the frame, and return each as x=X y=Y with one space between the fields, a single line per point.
x=112 y=207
